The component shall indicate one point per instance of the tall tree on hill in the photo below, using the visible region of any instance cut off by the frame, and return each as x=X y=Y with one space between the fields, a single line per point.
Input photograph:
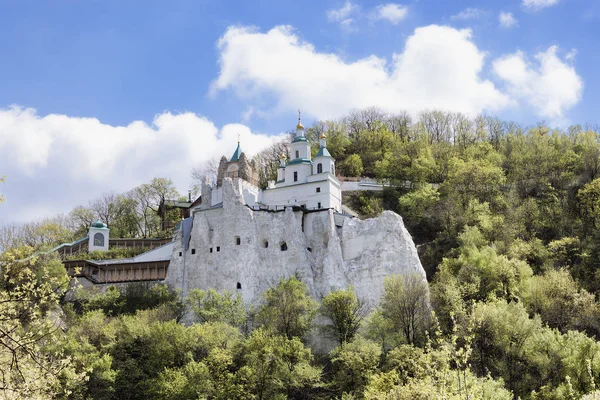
x=405 y=304
x=207 y=169
x=267 y=160
x=287 y=309
x=106 y=207
x=346 y=313
x=81 y=219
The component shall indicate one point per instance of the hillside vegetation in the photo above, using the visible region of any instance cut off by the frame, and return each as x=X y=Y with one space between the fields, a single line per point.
x=507 y=221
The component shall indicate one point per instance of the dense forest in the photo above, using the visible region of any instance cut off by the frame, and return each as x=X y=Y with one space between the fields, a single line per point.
x=507 y=223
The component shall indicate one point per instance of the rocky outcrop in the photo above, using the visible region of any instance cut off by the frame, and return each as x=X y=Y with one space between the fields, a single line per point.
x=234 y=247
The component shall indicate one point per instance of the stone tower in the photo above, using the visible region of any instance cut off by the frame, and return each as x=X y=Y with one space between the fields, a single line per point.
x=238 y=166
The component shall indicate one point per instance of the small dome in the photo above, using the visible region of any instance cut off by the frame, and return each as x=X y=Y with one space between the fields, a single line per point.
x=99 y=224
x=282 y=157
x=323 y=136
x=299 y=126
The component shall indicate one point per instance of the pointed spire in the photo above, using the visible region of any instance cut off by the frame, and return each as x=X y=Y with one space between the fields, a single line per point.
x=237 y=153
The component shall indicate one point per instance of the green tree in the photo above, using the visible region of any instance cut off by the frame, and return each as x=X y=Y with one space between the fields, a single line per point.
x=345 y=312
x=589 y=196
x=405 y=304
x=558 y=300
x=503 y=334
x=276 y=365
x=212 y=306
x=352 y=166
x=288 y=309
x=353 y=365
x=192 y=381
x=30 y=290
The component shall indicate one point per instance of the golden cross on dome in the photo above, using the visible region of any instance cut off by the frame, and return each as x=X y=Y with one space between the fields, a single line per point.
x=238 y=138
x=299 y=113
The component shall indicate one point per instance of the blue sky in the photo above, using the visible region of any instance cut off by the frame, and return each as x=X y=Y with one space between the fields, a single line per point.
x=102 y=95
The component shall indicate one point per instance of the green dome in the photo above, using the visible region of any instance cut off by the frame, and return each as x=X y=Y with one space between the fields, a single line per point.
x=99 y=224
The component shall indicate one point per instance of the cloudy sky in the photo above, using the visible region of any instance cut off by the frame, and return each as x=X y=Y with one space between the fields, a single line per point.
x=97 y=96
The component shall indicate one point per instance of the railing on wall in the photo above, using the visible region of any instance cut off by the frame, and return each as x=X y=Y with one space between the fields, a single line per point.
x=138 y=243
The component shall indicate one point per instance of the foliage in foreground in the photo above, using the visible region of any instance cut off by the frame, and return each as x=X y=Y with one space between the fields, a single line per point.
x=508 y=224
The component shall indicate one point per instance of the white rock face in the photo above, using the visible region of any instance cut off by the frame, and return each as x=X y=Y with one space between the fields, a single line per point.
x=324 y=250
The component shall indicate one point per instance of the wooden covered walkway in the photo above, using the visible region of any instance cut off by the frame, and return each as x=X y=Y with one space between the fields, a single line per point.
x=118 y=272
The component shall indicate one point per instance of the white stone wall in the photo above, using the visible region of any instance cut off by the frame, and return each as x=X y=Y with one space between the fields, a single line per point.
x=325 y=257
x=306 y=194
x=216 y=196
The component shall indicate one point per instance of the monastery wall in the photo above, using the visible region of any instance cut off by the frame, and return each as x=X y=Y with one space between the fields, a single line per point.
x=248 y=251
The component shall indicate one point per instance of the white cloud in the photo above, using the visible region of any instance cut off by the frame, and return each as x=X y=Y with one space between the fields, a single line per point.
x=469 y=13
x=391 y=12
x=549 y=85
x=535 y=5
x=571 y=55
x=56 y=162
x=506 y=20
x=343 y=15
x=439 y=68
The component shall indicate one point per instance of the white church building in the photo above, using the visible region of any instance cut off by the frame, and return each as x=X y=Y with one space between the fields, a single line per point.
x=302 y=181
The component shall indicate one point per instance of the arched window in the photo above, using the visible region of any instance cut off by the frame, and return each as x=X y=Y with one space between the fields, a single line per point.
x=319 y=168
x=266 y=244
x=239 y=285
x=332 y=169
x=232 y=171
x=297 y=154
x=99 y=239
x=295 y=176
x=283 y=246
x=238 y=240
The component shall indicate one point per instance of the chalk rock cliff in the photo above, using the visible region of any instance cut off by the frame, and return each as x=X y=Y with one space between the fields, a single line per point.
x=237 y=248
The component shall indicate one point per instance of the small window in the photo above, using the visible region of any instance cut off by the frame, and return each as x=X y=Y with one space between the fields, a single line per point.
x=239 y=285
x=218 y=248
x=238 y=240
x=297 y=154
x=319 y=168
x=211 y=249
x=319 y=205
x=333 y=169
x=266 y=244
x=318 y=190
x=283 y=246
x=309 y=249
x=295 y=176
x=193 y=251
x=98 y=239
x=180 y=254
